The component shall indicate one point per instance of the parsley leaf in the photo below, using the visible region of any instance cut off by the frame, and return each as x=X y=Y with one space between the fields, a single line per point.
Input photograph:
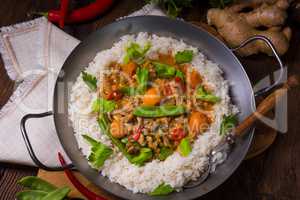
x=185 y=56
x=99 y=152
x=162 y=189
x=203 y=95
x=164 y=70
x=90 y=80
x=103 y=105
x=228 y=123
x=136 y=53
x=144 y=155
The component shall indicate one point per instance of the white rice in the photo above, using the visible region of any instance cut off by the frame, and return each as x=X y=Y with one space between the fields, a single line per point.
x=175 y=170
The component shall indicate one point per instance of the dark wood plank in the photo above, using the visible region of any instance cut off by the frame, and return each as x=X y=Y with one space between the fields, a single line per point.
x=273 y=175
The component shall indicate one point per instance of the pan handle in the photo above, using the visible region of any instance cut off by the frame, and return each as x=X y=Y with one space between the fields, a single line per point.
x=271 y=46
x=29 y=146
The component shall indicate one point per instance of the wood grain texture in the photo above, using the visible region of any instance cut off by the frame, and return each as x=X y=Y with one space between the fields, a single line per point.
x=270 y=176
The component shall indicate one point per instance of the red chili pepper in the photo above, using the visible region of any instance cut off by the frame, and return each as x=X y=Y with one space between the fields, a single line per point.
x=177 y=134
x=81 y=188
x=63 y=12
x=136 y=136
x=81 y=14
x=177 y=79
x=115 y=95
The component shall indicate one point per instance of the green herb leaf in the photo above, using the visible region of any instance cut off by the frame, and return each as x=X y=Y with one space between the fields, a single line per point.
x=185 y=147
x=164 y=153
x=124 y=140
x=159 y=111
x=90 y=80
x=142 y=75
x=135 y=52
x=173 y=7
x=162 y=189
x=185 y=56
x=164 y=70
x=35 y=183
x=203 y=95
x=228 y=123
x=103 y=105
x=99 y=152
x=58 y=194
x=31 y=194
x=144 y=155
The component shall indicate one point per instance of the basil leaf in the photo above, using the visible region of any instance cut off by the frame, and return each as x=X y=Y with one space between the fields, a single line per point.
x=58 y=194
x=142 y=75
x=162 y=189
x=164 y=153
x=228 y=123
x=185 y=147
x=90 y=80
x=99 y=152
x=103 y=105
x=159 y=111
x=203 y=95
x=164 y=70
x=185 y=56
x=31 y=194
x=135 y=52
x=36 y=183
x=144 y=155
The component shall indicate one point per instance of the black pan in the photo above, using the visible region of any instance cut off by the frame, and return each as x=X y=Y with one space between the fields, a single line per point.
x=241 y=93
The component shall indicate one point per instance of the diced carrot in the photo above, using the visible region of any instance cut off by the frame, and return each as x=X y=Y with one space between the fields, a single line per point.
x=198 y=123
x=194 y=78
x=129 y=68
x=151 y=97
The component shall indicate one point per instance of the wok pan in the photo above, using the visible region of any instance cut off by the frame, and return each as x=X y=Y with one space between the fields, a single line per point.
x=240 y=91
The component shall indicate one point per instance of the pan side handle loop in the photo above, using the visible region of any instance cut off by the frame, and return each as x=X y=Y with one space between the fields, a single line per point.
x=29 y=146
x=271 y=46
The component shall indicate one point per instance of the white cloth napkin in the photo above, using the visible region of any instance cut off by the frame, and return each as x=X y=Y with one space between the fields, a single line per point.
x=33 y=53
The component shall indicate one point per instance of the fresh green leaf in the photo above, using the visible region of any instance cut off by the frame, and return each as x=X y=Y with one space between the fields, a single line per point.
x=164 y=153
x=58 y=194
x=103 y=105
x=144 y=155
x=162 y=189
x=36 y=183
x=142 y=75
x=164 y=70
x=90 y=80
x=159 y=111
x=99 y=152
x=173 y=7
x=228 y=123
x=31 y=195
x=185 y=56
x=185 y=147
x=203 y=95
x=135 y=52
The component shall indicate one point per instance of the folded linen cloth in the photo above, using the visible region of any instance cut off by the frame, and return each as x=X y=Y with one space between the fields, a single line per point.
x=33 y=53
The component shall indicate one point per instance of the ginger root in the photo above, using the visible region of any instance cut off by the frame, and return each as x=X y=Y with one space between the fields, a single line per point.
x=235 y=26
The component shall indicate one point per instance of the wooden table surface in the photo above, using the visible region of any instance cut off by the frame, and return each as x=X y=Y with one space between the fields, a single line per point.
x=272 y=175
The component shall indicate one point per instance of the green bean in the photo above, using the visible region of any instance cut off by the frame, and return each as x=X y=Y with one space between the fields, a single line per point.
x=57 y=194
x=31 y=195
x=159 y=111
x=35 y=183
